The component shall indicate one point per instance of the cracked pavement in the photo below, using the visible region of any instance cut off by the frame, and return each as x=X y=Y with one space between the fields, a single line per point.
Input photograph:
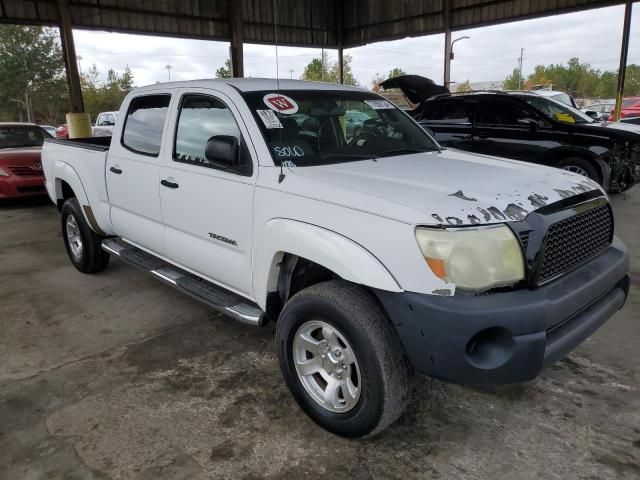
x=118 y=376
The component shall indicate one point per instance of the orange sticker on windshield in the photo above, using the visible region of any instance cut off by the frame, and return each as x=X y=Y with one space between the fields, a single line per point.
x=280 y=103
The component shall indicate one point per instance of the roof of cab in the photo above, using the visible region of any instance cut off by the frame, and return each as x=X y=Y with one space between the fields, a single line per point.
x=252 y=84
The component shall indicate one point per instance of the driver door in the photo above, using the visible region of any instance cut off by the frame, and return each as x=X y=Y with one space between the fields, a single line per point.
x=207 y=211
x=505 y=128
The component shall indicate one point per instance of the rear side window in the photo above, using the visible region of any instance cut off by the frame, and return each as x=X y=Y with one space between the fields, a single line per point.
x=453 y=110
x=144 y=123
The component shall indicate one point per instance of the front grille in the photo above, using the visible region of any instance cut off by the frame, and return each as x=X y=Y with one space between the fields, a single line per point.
x=26 y=171
x=572 y=241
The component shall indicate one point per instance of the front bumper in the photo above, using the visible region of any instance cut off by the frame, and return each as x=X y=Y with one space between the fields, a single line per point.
x=508 y=337
x=15 y=186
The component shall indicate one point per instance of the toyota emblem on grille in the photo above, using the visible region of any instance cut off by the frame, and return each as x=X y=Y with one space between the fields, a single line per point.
x=37 y=166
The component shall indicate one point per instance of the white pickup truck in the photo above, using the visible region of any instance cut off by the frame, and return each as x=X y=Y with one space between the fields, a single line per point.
x=377 y=252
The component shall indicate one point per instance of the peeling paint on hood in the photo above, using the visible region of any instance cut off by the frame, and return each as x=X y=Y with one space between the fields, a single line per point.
x=450 y=187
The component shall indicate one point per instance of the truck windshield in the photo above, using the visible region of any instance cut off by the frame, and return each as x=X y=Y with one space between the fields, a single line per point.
x=14 y=136
x=317 y=127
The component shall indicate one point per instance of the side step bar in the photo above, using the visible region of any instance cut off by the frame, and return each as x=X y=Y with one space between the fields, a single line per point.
x=217 y=297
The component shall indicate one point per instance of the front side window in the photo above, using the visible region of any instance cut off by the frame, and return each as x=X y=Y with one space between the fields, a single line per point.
x=21 y=136
x=555 y=110
x=316 y=127
x=202 y=117
x=144 y=124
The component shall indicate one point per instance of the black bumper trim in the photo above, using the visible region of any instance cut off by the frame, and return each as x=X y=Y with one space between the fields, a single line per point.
x=508 y=337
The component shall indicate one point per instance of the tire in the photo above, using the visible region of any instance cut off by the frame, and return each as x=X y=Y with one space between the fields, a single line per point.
x=588 y=168
x=89 y=258
x=380 y=373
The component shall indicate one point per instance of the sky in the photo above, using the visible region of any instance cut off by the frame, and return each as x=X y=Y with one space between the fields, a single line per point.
x=490 y=54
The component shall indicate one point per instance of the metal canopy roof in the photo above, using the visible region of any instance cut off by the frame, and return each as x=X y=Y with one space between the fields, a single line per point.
x=302 y=23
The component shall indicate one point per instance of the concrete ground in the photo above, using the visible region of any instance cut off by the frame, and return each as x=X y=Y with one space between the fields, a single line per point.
x=116 y=375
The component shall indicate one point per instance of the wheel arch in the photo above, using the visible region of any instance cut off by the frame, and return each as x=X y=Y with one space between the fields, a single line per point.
x=556 y=155
x=292 y=251
x=68 y=185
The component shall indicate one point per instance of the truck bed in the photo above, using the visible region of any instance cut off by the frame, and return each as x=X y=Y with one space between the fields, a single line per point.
x=81 y=164
x=100 y=144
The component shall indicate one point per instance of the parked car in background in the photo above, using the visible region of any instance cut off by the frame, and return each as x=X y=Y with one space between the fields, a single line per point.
x=104 y=124
x=557 y=95
x=600 y=110
x=378 y=255
x=51 y=130
x=533 y=128
x=62 y=131
x=630 y=120
x=630 y=108
x=20 y=166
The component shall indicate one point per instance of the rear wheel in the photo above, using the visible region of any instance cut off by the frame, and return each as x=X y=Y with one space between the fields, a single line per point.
x=82 y=244
x=582 y=167
x=342 y=360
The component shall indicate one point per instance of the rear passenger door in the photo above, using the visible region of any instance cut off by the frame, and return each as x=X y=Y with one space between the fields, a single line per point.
x=208 y=210
x=450 y=121
x=133 y=172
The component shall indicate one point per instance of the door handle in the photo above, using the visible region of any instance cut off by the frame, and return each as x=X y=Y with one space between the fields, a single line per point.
x=116 y=170
x=169 y=184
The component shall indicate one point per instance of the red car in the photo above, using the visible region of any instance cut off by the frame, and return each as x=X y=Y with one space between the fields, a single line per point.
x=20 y=167
x=630 y=108
x=62 y=131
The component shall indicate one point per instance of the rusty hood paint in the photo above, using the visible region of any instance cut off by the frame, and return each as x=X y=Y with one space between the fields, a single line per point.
x=451 y=187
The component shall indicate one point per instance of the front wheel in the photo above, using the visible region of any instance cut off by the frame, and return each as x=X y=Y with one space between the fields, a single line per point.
x=82 y=244
x=342 y=360
x=581 y=166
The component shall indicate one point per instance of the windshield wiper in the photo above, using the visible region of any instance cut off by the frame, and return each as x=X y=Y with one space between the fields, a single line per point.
x=403 y=151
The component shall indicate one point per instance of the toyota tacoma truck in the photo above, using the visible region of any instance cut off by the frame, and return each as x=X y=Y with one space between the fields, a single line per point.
x=377 y=252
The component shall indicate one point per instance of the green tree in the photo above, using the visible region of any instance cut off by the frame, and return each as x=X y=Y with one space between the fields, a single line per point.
x=378 y=78
x=512 y=82
x=31 y=74
x=225 y=70
x=464 y=86
x=104 y=96
x=321 y=70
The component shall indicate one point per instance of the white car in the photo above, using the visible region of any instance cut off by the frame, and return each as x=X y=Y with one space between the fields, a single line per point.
x=105 y=122
x=378 y=255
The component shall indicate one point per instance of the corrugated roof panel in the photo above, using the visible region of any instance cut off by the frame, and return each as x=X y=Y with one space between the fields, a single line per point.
x=301 y=22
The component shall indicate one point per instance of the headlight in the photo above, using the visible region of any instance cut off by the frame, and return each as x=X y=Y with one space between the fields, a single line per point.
x=473 y=258
x=3 y=173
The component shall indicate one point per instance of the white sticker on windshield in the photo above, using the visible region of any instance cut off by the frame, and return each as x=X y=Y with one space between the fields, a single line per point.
x=269 y=119
x=280 y=103
x=379 y=104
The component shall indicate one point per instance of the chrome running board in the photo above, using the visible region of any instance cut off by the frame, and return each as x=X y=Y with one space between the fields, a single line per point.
x=226 y=302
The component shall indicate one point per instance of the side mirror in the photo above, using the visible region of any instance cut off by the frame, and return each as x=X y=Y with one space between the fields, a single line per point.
x=593 y=114
x=223 y=150
x=605 y=116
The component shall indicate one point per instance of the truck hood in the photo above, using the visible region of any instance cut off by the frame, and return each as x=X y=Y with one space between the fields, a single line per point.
x=20 y=156
x=416 y=88
x=449 y=187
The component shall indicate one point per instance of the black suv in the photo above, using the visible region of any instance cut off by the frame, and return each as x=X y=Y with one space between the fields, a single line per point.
x=524 y=126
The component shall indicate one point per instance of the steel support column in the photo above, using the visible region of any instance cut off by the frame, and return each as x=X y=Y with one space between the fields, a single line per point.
x=69 y=57
x=236 y=25
x=340 y=29
x=446 y=7
x=624 y=50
